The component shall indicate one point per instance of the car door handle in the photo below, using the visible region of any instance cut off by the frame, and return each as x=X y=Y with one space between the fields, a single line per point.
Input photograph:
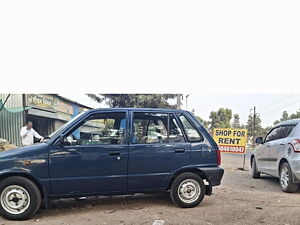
x=268 y=145
x=282 y=143
x=179 y=150
x=114 y=153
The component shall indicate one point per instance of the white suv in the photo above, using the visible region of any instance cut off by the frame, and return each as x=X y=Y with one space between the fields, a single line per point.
x=278 y=155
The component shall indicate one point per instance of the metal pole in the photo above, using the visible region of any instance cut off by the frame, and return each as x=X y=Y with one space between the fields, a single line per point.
x=254 y=121
x=5 y=102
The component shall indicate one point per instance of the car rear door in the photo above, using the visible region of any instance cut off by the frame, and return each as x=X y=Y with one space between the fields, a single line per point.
x=203 y=153
x=157 y=148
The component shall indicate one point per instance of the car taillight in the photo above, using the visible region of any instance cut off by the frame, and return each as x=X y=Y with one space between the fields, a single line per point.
x=296 y=145
x=218 y=157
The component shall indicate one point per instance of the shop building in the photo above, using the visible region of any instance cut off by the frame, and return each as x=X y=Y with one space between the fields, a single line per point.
x=48 y=112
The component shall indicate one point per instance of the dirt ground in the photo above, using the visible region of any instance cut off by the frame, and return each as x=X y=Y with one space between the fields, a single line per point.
x=239 y=200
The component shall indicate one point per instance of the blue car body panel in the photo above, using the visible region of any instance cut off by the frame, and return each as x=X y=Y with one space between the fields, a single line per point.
x=90 y=170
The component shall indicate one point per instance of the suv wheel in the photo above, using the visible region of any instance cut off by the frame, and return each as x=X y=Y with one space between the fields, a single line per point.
x=20 y=198
x=286 y=178
x=187 y=190
x=254 y=171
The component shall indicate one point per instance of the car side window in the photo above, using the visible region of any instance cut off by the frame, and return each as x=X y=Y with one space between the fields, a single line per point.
x=99 y=129
x=273 y=134
x=175 y=134
x=286 y=131
x=192 y=134
x=150 y=128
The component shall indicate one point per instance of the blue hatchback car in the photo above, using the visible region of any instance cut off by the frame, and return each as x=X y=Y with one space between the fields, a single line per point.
x=112 y=151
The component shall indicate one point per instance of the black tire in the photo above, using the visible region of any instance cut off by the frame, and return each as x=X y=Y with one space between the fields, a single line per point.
x=179 y=180
x=254 y=171
x=291 y=186
x=34 y=197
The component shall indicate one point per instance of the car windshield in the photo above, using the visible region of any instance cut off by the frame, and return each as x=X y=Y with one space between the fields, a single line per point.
x=65 y=125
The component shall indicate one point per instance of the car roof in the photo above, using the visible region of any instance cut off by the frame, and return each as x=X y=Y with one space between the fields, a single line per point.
x=138 y=109
x=289 y=122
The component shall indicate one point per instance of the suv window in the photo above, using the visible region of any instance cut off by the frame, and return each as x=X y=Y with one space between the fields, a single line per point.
x=192 y=134
x=156 y=128
x=101 y=128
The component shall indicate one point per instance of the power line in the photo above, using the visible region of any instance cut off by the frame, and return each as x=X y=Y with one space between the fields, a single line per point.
x=276 y=110
x=280 y=100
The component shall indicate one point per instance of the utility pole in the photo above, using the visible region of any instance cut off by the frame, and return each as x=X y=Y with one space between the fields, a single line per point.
x=253 y=134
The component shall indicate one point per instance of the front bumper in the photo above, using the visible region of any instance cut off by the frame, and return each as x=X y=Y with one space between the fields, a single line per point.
x=213 y=174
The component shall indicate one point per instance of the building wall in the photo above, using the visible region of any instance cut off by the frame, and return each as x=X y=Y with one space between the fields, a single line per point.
x=11 y=123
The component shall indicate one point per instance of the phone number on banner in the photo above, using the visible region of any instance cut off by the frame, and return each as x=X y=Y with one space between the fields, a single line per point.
x=233 y=149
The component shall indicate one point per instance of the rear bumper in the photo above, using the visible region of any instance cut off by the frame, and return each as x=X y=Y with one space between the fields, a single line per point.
x=213 y=174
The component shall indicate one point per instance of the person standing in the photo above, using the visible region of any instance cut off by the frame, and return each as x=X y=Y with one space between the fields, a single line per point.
x=28 y=133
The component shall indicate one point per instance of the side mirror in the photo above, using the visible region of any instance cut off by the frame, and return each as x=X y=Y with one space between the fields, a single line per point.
x=259 y=140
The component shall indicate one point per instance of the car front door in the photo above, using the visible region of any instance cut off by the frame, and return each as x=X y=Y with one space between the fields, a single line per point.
x=158 y=147
x=265 y=154
x=93 y=156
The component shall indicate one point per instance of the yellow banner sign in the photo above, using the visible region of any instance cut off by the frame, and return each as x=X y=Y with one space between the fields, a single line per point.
x=231 y=140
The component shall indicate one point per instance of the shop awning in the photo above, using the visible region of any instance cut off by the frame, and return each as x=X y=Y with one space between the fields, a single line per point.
x=13 y=110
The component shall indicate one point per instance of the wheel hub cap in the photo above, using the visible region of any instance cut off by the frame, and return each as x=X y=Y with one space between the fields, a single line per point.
x=15 y=199
x=189 y=191
x=284 y=177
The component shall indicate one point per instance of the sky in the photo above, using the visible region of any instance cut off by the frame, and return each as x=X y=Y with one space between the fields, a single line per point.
x=269 y=106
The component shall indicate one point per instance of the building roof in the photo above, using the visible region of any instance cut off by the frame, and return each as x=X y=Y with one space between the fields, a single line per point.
x=74 y=102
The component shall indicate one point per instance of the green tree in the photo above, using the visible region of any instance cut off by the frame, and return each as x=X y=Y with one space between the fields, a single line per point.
x=136 y=100
x=295 y=115
x=236 y=121
x=220 y=118
x=203 y=122
x=253 y=131
x=285 y=116
x=263 y=132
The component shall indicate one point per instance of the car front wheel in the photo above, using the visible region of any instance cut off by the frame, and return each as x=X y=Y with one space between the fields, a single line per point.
x=187 y=190
x=20 y=198
x=254 y=171
x=286 y=179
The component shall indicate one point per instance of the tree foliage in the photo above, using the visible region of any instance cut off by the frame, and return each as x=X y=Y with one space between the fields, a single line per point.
x=136 y=100
x=286 y=116
x=203 y=122
x=253 y=130
x=220 y=118
x=236 y=121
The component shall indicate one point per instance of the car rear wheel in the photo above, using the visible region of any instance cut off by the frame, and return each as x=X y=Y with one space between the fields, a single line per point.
x=187 y=190
x=286 y=179
x=20 y=198
x=254 y=171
